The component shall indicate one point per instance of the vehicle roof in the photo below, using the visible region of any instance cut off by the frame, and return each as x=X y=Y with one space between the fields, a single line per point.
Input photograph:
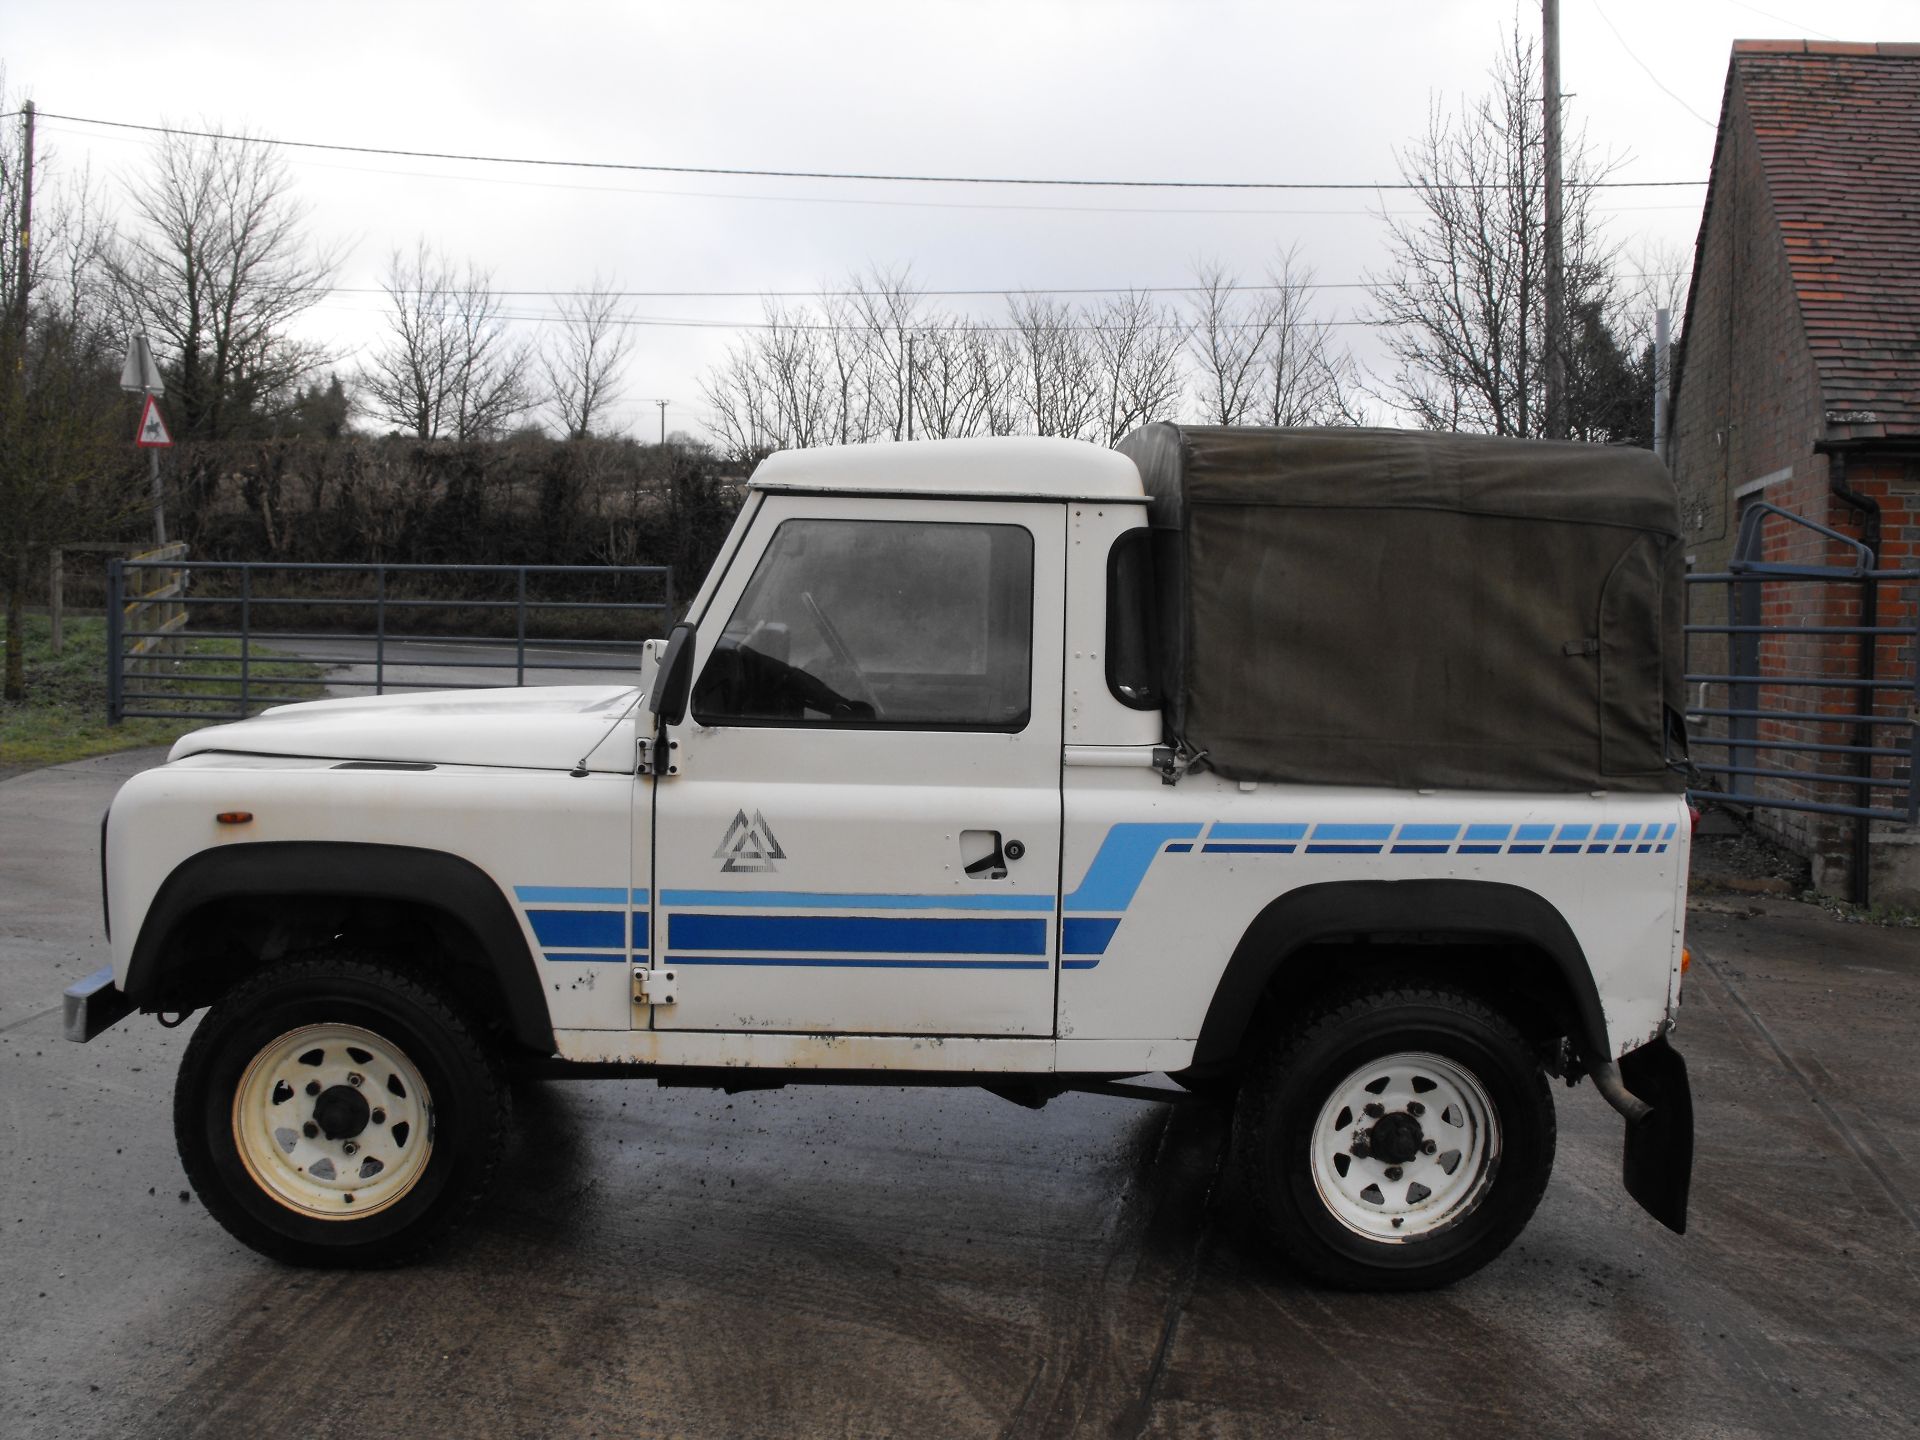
x=1006 y=466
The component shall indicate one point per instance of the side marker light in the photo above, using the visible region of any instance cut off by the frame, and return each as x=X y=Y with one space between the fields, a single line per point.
x=234 y=817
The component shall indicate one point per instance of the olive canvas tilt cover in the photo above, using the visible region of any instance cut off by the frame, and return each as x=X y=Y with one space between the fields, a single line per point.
x=1408 y=609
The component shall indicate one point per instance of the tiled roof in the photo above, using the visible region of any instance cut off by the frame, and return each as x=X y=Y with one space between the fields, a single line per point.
x=1837 y=127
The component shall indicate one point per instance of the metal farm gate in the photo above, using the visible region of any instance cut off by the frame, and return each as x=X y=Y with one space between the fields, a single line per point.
x=1811 y=696
x=216 y=640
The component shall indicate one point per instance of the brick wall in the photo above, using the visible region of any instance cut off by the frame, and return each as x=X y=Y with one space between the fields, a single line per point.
x=1749 y=407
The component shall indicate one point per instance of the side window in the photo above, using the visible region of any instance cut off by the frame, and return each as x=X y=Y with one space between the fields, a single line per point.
x=1133 y=672
x=879 y=624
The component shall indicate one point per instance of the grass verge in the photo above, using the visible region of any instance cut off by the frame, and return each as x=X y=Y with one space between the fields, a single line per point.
x=64 y=716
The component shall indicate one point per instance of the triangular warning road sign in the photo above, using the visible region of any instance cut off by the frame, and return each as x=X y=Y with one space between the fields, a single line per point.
x=153 y=429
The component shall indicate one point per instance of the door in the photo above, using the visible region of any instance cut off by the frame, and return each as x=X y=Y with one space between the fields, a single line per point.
x=861 y=833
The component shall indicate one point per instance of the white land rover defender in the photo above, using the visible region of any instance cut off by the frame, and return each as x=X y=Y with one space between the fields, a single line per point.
x=1335 y=774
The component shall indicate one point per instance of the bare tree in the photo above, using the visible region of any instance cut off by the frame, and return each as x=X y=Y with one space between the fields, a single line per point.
x=60 y=414
x=1058 y=376
x=217 y=267
x=1465 y=297
x=450 y=365
x=1136 y=345
x=1228 y=340
x=583 y=364
x=888 y=307
x=1304 y=379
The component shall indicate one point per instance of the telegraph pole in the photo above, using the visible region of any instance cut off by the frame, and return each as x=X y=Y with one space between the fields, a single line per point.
x=14 y=686
x=24 y=275
x=1556 y=260
x=663 y=420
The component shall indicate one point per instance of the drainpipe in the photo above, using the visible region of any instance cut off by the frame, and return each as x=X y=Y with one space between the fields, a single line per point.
x=1869 y=511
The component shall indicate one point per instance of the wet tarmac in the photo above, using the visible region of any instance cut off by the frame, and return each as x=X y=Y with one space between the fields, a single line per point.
x=877 y=1262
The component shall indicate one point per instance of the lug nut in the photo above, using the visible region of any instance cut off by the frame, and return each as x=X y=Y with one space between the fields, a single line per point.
x=313 y=1087
x=1427 y=1147
x=356 y=1079
x=1376 y=1110
x=310 y=1130
x=1393 y=1172
x=1359 y=1150
x=379 y=1117
x=1414 y=1107
x=349 y=1147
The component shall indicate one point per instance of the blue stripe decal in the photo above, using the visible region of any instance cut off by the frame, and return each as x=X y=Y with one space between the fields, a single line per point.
x=582 y=929
x=828 y=900
x=1121 y=864
x=848 y=962
x=1087 y=937
x=1534 y=832
x=1078 y=964
x=607 y=957
x=1343 y=849
x=1489 y=833
x=1574 y=832
x=640 y=929
x=1211 y=849
x=1180 y=849
x=869 y=934
x=1429 y=833
x=1352 y=832
x=1420 y=849
x=572 y=895
x=1479 y=849
x=1225 y=831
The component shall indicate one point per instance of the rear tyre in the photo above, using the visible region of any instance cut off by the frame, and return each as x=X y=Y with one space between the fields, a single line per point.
x=334 y=1111
x=1397 y=1138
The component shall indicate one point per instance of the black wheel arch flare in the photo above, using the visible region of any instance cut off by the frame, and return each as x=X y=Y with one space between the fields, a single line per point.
x=1383 y=909
x=457 y=888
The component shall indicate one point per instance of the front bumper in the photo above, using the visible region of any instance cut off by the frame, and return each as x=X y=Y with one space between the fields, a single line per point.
x=93 y=1005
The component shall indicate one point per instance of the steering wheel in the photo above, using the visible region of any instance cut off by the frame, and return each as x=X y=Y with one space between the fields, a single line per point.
x=842 y=653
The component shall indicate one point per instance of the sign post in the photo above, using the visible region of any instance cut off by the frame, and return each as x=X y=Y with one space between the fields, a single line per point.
x=142 y=376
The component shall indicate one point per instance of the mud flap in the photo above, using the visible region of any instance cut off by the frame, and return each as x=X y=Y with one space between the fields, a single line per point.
x=1658 y=1165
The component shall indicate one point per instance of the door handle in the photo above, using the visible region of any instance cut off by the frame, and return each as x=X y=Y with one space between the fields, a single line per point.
x=983 y=854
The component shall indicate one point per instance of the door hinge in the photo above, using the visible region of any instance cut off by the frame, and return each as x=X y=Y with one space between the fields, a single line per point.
x=643 y=755
x=654 y=987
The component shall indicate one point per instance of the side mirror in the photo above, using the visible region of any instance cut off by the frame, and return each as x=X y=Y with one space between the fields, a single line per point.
x=674 y=679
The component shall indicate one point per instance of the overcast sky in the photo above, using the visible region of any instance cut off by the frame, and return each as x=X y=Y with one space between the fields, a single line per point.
x=1202 y=90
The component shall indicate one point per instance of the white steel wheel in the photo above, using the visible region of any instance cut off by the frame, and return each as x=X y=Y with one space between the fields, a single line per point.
x=1404 y=1147
x=333 y=1121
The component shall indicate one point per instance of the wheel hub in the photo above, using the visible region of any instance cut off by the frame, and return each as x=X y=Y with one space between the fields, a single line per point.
x=1405 y=1147
x=341 y=1112
x=333 y=1121
x=1394 y=1140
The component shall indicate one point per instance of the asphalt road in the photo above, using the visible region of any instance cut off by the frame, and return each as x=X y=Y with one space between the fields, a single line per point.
x=894 y=1263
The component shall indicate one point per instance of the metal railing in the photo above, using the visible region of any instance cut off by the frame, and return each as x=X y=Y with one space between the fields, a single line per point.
x=228 y=601
x=1875 y=765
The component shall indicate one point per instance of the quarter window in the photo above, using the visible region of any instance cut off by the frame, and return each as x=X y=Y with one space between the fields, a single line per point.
x=879 y=624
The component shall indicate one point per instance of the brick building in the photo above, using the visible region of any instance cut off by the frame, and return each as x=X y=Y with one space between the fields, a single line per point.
x=1798 y=384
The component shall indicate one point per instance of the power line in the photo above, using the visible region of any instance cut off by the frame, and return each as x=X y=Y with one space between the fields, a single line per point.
x=1160 y=211
x=690 y=322
x=762 y=173
x=1768 y=14
x=984 y=292
x=1658 y=83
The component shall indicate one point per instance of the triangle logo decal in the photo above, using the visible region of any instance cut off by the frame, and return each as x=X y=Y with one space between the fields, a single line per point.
x=749 y=847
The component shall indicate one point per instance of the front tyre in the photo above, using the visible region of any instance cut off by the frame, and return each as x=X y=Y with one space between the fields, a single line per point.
x=1397 y=1138
x=335 y=1111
